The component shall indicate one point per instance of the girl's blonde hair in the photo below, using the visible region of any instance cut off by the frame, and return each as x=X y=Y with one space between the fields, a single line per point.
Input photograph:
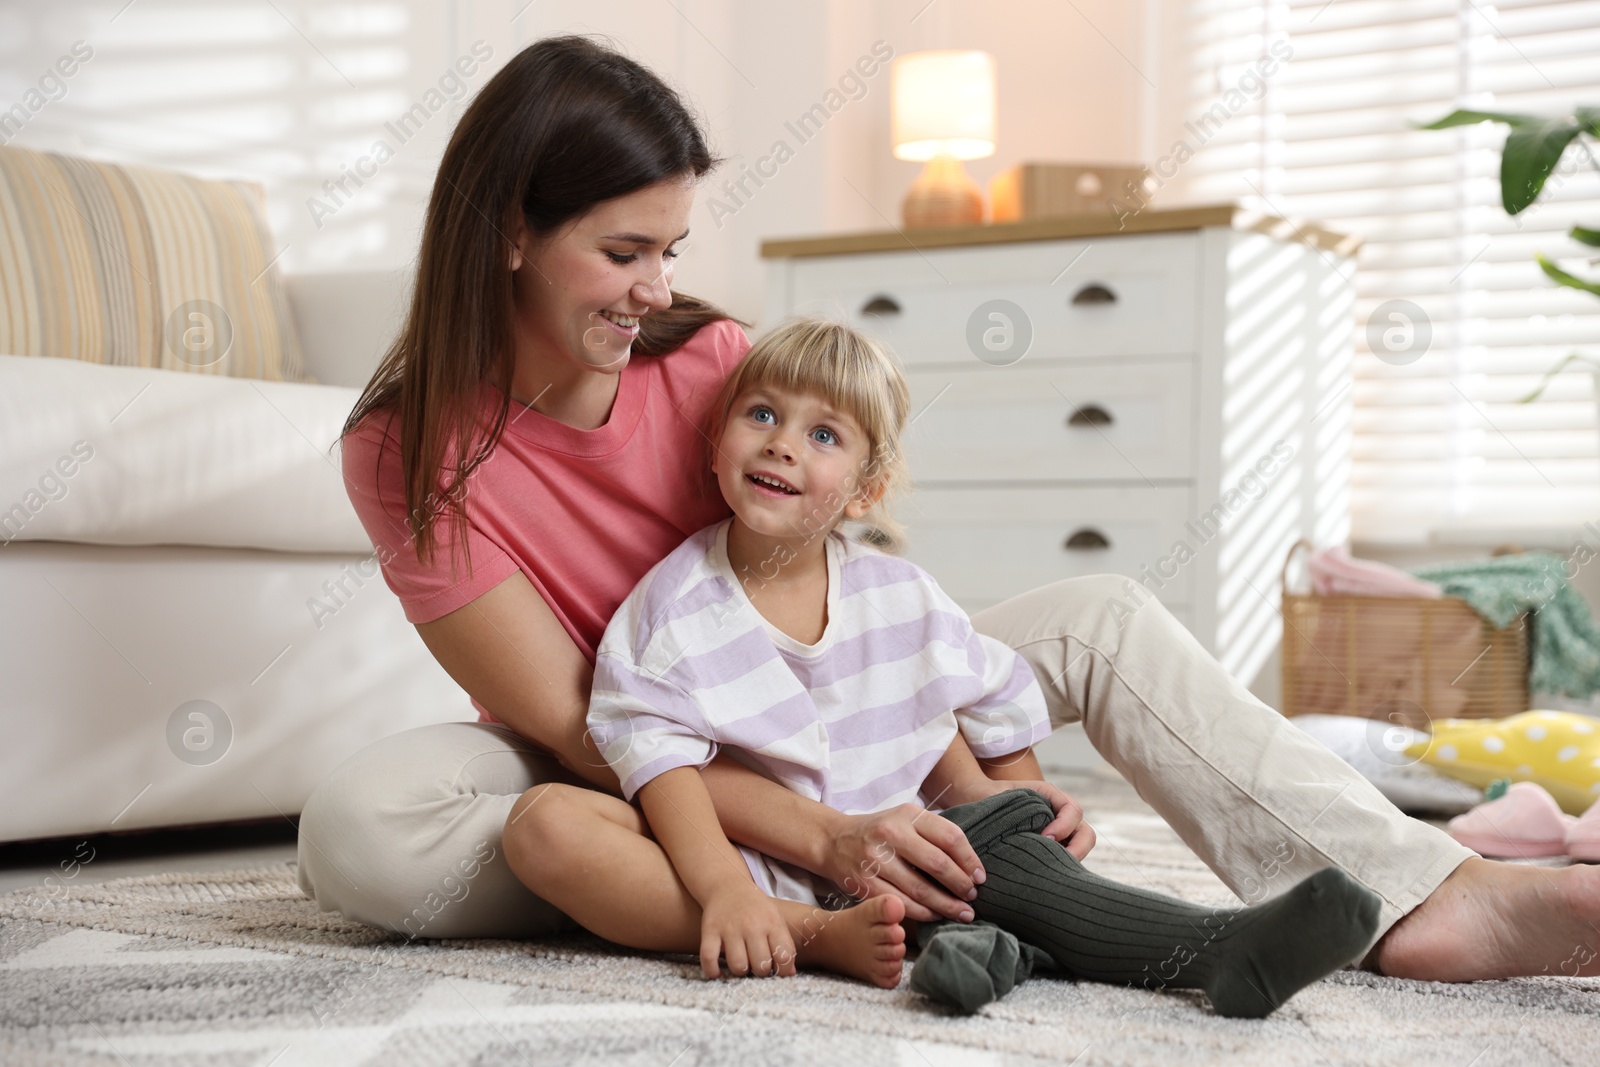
x=852 y=373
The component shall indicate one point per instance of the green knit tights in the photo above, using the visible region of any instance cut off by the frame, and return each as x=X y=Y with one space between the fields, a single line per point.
x=1040 y=907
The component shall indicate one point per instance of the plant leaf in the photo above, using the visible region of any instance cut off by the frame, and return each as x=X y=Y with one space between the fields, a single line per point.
x=1571 y=281
x=1468 y=118
x=1590 y=117
x=1585 y=235
x=1530 y=154
x=1549 y=375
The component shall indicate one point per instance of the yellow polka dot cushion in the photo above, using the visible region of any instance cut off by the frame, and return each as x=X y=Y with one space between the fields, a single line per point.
x=1560 y=750
x=138 y=267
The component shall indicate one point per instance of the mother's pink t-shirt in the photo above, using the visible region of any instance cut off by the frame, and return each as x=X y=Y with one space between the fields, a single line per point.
x=583 y=513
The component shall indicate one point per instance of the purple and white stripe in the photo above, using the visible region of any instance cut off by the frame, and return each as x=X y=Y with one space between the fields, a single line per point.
x=687 y=666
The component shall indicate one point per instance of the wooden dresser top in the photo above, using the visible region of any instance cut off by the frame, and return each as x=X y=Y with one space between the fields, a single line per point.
x=1151 y=220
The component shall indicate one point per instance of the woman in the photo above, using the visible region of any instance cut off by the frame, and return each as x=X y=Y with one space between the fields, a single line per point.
x=528 y=449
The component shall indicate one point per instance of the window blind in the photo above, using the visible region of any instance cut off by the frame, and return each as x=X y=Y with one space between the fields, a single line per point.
x=1455 y=319
x=296 y=95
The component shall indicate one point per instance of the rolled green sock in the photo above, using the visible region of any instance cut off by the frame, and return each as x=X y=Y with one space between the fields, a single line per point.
x=1248 y=960
x=968 y=965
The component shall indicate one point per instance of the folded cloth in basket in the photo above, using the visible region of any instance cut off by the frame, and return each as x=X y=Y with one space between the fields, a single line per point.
x=1565 y=642
x=1334 y=572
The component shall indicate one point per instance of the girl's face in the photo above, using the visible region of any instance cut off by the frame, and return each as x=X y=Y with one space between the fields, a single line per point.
x=817 y=454
x=581 y=291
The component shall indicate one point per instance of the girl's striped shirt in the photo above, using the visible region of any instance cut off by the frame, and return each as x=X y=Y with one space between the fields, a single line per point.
x=855 y=721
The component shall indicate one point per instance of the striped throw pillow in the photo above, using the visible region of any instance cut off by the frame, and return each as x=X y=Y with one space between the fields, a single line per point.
x=139 y=267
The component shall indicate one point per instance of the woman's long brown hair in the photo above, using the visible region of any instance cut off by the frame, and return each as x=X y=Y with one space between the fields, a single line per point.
x=566 y=124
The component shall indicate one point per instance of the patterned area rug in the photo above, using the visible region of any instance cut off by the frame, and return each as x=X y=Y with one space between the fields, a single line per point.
x=239 y=968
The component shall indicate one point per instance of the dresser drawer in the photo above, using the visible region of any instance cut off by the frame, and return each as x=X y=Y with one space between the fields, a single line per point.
x=1127 y=296
x=985 y=545
x=1097 y=422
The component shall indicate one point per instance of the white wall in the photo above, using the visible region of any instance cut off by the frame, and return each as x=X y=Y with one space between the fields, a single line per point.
x=290 y=93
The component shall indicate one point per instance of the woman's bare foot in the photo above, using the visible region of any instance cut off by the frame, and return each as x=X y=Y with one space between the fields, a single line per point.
x=1498 y=920
x=864 y=941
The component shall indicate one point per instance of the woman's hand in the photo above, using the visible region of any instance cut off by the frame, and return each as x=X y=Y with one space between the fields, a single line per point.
x=1067 y=827
x=743 y=926
x=876 y=854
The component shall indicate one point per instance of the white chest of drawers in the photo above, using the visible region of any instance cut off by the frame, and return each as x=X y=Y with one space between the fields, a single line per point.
x=1180 y=415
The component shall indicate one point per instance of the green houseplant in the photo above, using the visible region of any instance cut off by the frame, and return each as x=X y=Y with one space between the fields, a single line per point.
x=1534 y=146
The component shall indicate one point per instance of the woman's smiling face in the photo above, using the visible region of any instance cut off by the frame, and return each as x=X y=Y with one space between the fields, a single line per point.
x=581 y=291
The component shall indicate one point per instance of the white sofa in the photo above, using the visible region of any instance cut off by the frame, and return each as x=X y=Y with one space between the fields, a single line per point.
x=169 y=538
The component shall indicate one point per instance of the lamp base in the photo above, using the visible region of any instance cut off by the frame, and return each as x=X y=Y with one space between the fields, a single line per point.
x=944 y=194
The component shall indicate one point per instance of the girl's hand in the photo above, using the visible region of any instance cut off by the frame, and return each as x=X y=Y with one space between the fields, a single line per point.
x=744 y=926
x=880 y=853
x=1067 y=827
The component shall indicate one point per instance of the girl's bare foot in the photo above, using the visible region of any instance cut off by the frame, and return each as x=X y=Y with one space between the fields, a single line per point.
x=864 y=941
x=1498 y=920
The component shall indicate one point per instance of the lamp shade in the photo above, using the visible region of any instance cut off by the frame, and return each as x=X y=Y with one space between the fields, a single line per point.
x=943 y=104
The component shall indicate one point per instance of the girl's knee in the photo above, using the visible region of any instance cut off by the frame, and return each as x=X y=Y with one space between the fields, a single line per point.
x=548 y=819
x=553 y=826
x=531 y=799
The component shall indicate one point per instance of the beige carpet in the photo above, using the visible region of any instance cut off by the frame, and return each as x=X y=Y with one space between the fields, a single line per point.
x=238 y=967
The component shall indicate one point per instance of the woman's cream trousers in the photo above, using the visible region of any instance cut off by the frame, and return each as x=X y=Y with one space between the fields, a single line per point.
x=405 y=834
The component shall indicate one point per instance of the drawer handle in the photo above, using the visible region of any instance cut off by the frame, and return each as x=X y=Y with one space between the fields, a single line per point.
x=1090 y=415
x=1086 y=539
x=881 y=305
x=1094 y=293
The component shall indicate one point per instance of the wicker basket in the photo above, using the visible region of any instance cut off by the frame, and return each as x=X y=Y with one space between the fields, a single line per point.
x=1404 y=659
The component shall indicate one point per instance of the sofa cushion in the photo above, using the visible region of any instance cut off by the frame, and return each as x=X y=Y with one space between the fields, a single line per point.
x=139 y=267
x=129 y=456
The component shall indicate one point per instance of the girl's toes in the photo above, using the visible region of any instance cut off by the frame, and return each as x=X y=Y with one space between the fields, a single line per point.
x=887 y=909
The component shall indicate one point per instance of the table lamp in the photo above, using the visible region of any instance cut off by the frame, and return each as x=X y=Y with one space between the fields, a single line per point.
x=943 y=105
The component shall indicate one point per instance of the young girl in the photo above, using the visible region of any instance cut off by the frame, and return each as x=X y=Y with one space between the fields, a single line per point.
x=848 y=675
